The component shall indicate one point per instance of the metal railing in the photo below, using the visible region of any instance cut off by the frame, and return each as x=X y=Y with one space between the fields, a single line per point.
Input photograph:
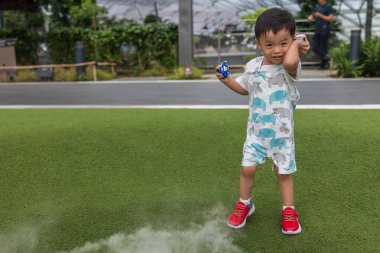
x=238 y=48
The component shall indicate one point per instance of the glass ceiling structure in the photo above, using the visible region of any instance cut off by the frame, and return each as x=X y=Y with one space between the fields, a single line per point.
x=209 y=15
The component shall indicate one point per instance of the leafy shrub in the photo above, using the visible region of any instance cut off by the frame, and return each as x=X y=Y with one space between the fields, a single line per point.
x=369 y=60
x=100 y=74
x=26 y=76
x=370 y=57
x=155 y=70
x=65 y=74
x=154 y=42
x=179 y=73
x=61 y=44
x=340 y=58
x=62 y=74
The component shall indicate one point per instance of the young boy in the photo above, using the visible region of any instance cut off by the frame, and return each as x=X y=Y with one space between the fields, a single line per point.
x=270 y=82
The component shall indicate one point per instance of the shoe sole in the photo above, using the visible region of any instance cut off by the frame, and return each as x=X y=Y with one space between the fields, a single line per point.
x=251 y=211
x=290 y=232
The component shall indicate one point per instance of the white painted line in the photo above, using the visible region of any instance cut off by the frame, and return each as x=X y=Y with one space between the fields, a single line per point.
x=369 y=106
x=112 y=82
x=123 y=106
x=373 y=106
x=313 y=79
x=217 y=81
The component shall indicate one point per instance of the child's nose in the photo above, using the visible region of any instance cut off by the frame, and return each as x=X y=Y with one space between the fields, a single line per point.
x=277 y=49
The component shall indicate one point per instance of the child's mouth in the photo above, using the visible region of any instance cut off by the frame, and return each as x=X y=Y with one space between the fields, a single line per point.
x=277 y=58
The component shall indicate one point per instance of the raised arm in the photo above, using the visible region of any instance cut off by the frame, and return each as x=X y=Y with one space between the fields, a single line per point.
x=231 y=83
x=291 y=59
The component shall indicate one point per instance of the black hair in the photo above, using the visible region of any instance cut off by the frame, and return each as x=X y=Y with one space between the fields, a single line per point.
x=274 y=19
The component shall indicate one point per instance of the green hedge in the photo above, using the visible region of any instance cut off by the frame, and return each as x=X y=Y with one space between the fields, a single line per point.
x=155 y=43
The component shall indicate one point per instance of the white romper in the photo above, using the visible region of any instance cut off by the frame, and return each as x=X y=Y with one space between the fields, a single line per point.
x=270 y=128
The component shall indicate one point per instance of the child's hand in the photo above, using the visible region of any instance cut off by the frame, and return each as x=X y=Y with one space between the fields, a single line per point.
x=304 y=47
x=219 y=75
x=303 y=43
x=318 y=14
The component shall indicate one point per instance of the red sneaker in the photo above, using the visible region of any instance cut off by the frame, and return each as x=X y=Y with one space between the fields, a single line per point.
x=290 y=224
x=239 y=215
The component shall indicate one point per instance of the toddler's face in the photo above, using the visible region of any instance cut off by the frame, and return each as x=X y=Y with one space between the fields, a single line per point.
x=275 y=46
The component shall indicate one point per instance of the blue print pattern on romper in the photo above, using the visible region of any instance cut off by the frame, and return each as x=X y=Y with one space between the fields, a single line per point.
x=259 y=103
x=266 y=133
x=278 y=143
x=260 y=154
x=262 y=74
x=258 y=118
x=279 y=95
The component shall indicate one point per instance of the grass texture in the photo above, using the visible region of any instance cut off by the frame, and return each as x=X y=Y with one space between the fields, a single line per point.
x=68 y=177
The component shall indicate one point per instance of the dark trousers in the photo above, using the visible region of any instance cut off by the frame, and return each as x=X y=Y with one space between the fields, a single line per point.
x=320 y=43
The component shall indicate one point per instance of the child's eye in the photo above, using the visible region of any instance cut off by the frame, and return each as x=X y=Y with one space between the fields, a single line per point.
x=284 y=43
x=268 y=45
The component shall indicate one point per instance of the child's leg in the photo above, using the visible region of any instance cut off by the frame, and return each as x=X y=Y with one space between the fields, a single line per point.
x=290 y=224
x=247 y=175
x=239 y=215
x=285 y=182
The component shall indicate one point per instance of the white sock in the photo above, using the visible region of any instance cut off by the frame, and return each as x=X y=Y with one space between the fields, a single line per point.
x=283 y=207
x=247 y=202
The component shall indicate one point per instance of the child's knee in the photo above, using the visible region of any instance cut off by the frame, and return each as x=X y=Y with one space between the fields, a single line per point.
x=248 y=170
x=280 y=176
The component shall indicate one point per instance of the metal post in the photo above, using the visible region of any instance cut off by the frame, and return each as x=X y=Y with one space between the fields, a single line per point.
x=1 y=19
x=155 y=8
x=368 y=23
x=185 y=33
x=79 y=57
x=94 y=72
x=355 y=45
x=219 y=48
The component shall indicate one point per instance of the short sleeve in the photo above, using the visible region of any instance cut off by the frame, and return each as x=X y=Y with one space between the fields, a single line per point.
x=243 y=81
x=291 y=81
x=328 y=10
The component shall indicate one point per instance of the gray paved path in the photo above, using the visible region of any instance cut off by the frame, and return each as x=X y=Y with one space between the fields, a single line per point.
x=195 y=92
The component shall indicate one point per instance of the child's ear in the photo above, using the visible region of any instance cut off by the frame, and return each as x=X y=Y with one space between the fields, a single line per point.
x=258 y=43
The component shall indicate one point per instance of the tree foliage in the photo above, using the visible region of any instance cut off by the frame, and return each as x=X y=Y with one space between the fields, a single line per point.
x=69 y=21
x=155 y=41
x=251 y=17
x=24 y=27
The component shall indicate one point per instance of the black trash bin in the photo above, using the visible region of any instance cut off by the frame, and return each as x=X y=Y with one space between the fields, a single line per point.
x=355 y=41
x=45 y=74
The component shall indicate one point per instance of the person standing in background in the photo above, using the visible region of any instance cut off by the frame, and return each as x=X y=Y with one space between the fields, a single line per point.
x=323 y=16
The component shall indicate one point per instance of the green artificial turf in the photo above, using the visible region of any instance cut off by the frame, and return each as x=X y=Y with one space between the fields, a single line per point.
x=68 y=177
